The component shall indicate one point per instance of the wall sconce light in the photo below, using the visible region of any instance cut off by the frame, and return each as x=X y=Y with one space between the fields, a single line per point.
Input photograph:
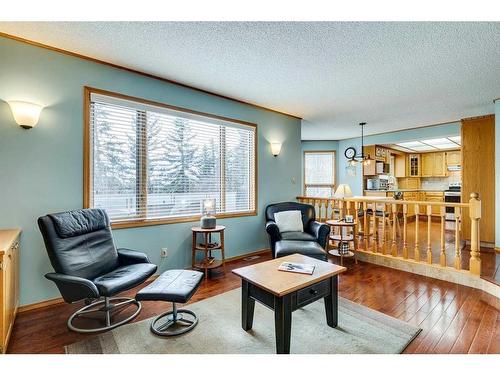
x=275 y=148
x=26 y=114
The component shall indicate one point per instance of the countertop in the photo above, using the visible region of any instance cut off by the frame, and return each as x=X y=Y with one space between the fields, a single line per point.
x=7 y=236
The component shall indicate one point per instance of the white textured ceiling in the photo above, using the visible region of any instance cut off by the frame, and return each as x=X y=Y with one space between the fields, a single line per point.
x=333 y=74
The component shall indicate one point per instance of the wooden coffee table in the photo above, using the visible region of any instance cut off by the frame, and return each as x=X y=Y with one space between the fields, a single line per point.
x=284 y=292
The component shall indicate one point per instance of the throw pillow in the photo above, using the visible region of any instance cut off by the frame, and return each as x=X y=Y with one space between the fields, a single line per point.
x=289 y=221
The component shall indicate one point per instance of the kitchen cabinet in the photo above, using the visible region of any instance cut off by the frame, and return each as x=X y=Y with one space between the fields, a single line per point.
x=440 y=164
x=410 y=196
x=433 y=164
x=434 y=197
x=377 y=153
x=453 y=158
x=428 y=165
x=413 y=165
x=369 y=170
x=9 y=283
x=409 y=183
x=399 y=166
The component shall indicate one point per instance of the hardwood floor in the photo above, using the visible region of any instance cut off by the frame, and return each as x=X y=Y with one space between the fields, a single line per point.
x=454 y=318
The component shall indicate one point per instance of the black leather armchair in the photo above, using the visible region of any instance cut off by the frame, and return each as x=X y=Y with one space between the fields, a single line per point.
x=88 y=266
x=299 y=242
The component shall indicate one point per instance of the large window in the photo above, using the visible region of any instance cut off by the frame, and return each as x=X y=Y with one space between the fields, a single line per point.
x=150 y=163
x=319 y=173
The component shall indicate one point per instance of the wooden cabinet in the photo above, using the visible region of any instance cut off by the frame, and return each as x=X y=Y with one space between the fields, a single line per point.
x=399 y=166
x=9 y=283
x=434 y=197
x=410 y=196
x=428 y=165
x=433 y=164
x=378 y=154
x=413 y=165
x=453 y=158
x=409 y=183
x=440 y=164
x=369 y=170
x=422 y=196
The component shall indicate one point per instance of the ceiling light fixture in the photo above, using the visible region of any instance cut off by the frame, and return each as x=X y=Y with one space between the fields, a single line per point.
x=360 y=158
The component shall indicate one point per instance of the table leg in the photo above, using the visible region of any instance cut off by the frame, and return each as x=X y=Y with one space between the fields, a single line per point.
x=331 y=303
x=205 y=260
x=341 y=251
x=283 y=323
x=193 y=252
x=223 y=256
x=248 y=306
x=355 y=243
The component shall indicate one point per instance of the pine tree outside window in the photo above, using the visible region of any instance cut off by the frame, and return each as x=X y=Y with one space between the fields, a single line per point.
x=149 y=163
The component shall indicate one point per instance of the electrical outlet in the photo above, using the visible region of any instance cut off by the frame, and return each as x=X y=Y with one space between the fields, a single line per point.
x=163 y=252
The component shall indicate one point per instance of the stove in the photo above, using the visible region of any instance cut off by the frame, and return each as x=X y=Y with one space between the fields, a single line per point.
x=452 y=195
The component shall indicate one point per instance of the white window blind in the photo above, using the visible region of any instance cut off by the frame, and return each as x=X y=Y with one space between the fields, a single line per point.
x=319 y=174
x=151 y=163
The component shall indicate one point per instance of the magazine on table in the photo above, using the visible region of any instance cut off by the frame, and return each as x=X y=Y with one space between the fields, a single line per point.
x=297 y=267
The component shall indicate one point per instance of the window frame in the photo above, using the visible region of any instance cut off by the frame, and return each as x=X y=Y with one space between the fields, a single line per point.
x=334 y=174
x=87 y=155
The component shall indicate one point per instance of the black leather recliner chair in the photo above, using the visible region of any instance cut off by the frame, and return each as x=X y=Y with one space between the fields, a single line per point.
x=88 y=266
x=311 y=242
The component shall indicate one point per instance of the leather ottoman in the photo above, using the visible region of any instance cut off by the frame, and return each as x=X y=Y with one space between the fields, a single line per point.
x=176 y=286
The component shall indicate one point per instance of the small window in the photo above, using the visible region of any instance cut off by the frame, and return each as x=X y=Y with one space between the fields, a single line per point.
x=319 y=173
x=152 y=163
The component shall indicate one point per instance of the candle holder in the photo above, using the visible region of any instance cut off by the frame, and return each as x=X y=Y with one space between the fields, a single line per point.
x=208 y=219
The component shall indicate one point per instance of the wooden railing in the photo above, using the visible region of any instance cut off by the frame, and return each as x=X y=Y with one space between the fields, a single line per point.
x=383 y=237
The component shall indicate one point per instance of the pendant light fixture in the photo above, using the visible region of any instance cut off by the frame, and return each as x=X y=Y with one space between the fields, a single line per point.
x=360 y=158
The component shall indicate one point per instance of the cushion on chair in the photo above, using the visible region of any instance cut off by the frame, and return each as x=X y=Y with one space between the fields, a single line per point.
x=124 y=278
x=308 y=212
x=289 y=221
x=308 y=248
x=297 y=236
x=172 y=286
x=78 y=222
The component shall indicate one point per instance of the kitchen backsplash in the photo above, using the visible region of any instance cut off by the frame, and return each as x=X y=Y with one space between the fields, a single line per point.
x=438 y=183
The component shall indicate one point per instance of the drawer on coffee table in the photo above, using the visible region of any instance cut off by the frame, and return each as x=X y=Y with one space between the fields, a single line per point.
x=313 y=292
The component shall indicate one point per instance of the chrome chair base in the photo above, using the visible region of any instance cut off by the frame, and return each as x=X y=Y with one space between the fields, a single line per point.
x=108 y=305
x=175 y=323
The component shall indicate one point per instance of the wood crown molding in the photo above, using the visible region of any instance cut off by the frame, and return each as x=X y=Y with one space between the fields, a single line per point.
x=145 y=74
x=483 y=117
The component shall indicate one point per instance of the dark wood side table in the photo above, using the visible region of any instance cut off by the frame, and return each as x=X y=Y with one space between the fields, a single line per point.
x=207 y=246
x=284 y=292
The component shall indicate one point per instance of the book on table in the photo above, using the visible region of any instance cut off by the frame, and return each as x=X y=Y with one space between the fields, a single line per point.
x=297 y=267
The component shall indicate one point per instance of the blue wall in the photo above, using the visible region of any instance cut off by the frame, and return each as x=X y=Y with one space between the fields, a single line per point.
x=41 y=168
x=497 y=173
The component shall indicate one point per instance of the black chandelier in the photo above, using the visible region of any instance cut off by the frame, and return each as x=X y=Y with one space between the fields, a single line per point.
x=361 y=158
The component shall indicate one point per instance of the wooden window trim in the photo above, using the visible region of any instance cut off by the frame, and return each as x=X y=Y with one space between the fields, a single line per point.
x=332 y=186
x=87 y=158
